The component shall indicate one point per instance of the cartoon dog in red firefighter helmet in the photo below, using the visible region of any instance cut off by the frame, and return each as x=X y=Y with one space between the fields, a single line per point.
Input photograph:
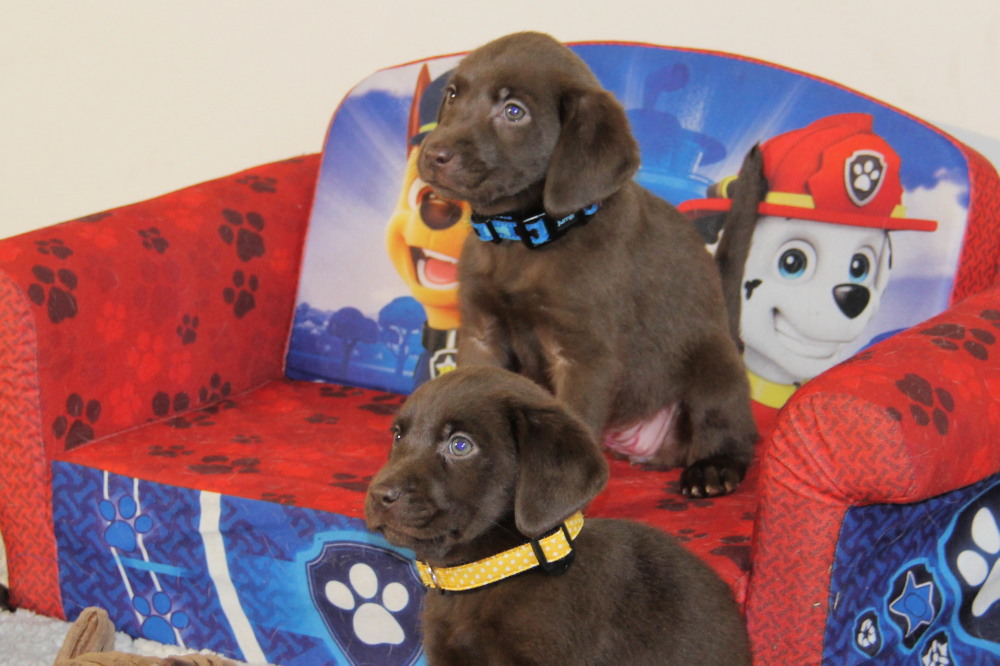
x=806 y=252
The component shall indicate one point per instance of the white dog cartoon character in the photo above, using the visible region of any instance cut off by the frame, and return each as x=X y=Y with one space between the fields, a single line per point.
x=806 y=252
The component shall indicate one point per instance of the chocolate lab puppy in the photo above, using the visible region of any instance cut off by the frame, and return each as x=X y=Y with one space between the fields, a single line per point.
x=485 y=463
x=577 y=277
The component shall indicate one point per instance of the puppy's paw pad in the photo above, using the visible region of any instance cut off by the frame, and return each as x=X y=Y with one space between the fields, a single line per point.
x=712 y=477
x=373 y=608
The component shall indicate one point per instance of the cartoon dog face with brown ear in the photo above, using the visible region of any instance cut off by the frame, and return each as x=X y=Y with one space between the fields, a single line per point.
x=481 y=457
x=806 y=251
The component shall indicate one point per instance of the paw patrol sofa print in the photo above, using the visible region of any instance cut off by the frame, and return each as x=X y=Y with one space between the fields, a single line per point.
x=190 y=423
x=820 y=252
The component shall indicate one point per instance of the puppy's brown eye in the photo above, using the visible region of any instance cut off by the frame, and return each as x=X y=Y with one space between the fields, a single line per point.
x=451 y=93
x=514 y=112
x=460 y=446
x=397 y=435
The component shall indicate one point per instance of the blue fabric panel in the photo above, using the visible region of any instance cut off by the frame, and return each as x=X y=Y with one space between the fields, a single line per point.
x=249 y=579
x=918 y=583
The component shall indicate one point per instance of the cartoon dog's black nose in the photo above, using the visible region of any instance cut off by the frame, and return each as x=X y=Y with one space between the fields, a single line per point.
x=852 y=299
x=385 y=493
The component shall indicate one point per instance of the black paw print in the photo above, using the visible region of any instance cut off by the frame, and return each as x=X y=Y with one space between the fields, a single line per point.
x=83 y=415
x=188 y=329
x=385 y=404
x=244 y=232
x=241 y=294
x=322 y=419
x=152 y=240
x=952 y=337
x=172 y=451
x=929 y=404
x=358 y=484
x=56 y=289
x=163 y=404
x=688 y=534
x=54 y=248
x=215 y=390
x=287 y=499
x=220 y=464
x=247 y=439
x=259 y=184
x=338 y=391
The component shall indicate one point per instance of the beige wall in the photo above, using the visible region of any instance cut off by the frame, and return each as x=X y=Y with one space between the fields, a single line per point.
x=106 y=102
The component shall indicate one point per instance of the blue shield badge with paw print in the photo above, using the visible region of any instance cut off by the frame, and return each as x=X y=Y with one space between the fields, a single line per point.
x=370 y=599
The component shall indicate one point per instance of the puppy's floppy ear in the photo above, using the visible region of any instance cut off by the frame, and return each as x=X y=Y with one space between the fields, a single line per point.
x=560 y=466
x=746 y=192
x=594 y=156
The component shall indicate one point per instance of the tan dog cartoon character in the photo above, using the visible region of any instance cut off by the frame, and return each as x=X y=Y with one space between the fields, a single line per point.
x=820 y=253
x=424 y=238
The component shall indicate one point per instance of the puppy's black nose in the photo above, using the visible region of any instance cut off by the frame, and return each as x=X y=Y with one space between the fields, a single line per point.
x=385 y=493
x=439 y=155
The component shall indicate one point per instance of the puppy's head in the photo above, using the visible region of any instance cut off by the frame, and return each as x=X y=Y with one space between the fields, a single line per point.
x=525 y=124
x=476 y=449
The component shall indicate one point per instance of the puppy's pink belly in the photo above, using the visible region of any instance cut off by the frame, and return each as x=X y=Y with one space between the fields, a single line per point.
x=654 y=437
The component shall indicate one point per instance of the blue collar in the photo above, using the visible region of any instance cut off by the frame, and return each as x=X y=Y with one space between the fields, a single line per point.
x=533 y=231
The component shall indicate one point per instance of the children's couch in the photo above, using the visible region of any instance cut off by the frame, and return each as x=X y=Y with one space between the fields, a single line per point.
x=196 y=389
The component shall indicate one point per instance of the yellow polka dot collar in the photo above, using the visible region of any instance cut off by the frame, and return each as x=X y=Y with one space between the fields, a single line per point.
x=550 y=552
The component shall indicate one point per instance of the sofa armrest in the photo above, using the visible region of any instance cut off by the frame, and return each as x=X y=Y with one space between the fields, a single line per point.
x=904 y=421
x=189 y=294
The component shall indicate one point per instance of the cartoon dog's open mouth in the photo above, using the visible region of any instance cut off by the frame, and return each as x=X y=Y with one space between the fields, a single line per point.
x=434 y=270
x=801 y=344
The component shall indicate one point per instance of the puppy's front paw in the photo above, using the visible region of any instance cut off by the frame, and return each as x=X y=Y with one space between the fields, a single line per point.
x=711 y=477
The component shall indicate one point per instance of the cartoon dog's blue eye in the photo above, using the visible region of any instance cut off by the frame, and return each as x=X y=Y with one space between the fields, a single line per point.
x=860 y=267
x=792 y=264
x=514 y=112
x=460 y=446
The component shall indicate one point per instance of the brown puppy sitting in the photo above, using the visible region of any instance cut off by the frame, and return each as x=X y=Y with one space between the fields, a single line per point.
x=484 y=461
x=577 y=277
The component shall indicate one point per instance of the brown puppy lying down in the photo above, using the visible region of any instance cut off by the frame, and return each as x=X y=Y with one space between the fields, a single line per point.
x=617 y=306
x=484 y=461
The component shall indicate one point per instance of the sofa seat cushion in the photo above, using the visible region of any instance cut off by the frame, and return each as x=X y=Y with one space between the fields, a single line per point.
x=317 y=446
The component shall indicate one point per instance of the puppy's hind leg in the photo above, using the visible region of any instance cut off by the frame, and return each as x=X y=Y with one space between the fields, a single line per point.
x=723 y=432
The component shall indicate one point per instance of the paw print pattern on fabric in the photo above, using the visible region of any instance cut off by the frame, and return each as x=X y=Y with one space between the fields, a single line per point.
x=76 y=425
x=54 y=248
x=937 y=652
x=220 y=464
x=373 y=619
x=188 y=329
x=868 y=634
x=243 y=232
x=358 y=484
x=54 y=288
x=125 y=523
x=953 y=337
x=241 y=294
x=929 y=404
x=152 y=240
x=160 y=623
x=979 y=566
x=258 y=183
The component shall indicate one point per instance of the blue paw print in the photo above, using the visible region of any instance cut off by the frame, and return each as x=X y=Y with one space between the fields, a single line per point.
x=125 y=525
x=157 y=626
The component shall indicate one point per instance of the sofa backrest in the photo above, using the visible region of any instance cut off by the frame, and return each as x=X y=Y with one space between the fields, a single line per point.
x=376 y=302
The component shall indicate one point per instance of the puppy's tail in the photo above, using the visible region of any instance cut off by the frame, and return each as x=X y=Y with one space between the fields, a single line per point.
x=746 y=191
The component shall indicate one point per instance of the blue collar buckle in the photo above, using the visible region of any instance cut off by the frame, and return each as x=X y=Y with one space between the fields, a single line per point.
x=533 y=232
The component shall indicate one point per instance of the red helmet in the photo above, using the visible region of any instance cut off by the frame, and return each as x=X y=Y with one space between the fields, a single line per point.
x=834 y=170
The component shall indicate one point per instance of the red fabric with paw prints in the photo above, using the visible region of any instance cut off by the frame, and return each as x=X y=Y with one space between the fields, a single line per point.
x=909 y=419
x=157 y=307
x=129 y=316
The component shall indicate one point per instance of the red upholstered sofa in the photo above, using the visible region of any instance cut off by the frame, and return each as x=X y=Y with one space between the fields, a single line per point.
x=161 y=463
